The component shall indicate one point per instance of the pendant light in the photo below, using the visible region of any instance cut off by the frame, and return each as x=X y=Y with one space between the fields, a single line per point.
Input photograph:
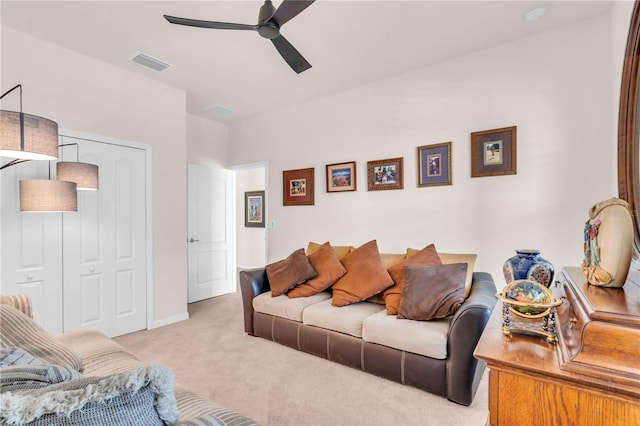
x=25 y=136
x=45 y=195
x=85 y=175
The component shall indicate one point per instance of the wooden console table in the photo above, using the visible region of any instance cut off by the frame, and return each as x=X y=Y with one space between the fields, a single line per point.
x=590 y=377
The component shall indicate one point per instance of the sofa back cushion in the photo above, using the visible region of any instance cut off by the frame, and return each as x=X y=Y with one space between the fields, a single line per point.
x=365 y=276
x=19 y=331
x=21 y=302
x=340 y=251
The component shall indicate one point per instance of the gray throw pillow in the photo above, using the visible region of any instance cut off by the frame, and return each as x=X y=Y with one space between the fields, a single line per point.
x=141 y=397
x=16 y=356
x=34 y=376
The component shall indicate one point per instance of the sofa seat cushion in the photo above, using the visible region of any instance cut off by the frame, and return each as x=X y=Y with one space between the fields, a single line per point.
x=285 y=307
x=428 y=338
x=100 y=355
x=197 y=410
x=345 y=319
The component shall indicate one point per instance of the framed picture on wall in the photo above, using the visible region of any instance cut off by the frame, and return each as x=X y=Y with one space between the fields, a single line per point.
x=493 y=152
x=385 y=174
x=254 y=209
x=434 y=164
x=297 y=187
x=341 y=177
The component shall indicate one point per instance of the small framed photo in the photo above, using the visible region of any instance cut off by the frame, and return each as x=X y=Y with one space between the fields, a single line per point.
x=493 y=152
x=434 y=164
x=297 y=187
x=385 y=174
x=254 y=209
x=341 y=177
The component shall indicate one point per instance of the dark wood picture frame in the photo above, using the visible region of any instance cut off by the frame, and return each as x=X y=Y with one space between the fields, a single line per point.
x=298 y=187
x=493 y=152
x=341 y=177
x=385 y=174
x=254 y=209
x=434 y=164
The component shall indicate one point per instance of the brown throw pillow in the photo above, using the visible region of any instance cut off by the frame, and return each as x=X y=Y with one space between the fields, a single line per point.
x=329 y=269
x=19 y=331
x=365 y=276
x=432 y=292
x=446 y=258
x=426 y=257
x=288 y=273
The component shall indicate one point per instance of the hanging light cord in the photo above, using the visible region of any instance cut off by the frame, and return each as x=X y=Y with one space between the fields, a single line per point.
x=11 y=90
x=16 y=161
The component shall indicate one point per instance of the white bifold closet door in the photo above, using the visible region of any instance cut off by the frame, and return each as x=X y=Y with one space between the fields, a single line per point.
x=104 y=243
x=31 y=247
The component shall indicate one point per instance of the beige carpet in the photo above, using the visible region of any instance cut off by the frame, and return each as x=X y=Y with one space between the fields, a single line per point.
x=277 y=385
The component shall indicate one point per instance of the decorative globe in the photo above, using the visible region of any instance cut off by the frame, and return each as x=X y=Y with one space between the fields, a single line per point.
x=527 y=297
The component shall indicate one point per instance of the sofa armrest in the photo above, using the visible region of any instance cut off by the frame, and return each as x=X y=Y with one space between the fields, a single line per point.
x=463 y=370
x=252 y=283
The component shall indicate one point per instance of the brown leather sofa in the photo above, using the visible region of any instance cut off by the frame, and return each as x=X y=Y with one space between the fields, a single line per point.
x=457 y=377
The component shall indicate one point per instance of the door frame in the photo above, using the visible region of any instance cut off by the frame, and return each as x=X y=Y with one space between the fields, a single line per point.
x=148 y=206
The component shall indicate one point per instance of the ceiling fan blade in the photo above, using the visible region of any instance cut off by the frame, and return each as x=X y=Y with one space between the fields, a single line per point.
x=209 y=24
x=291 y=55
x=289 y=9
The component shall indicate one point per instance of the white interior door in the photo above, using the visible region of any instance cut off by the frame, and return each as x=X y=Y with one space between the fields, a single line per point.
x=105 y=243
x=210 y=232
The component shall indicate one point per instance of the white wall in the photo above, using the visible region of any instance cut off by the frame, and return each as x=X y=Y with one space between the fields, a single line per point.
x=85 y=95
x=556 y=87
x=207 y=142
x=250 y=242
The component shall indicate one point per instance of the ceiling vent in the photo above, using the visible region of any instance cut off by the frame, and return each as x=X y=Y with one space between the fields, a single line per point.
x=149 y=62
x=219 y=110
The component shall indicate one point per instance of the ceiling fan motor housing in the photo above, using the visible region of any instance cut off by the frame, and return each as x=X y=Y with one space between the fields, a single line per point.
x=269 y=30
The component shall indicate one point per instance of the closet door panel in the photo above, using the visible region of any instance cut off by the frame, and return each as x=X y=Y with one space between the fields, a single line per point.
x=31 y=249
x=88 y=270
x=105 y=245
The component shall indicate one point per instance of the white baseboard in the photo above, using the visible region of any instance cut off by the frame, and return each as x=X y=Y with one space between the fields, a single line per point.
x=170 y=320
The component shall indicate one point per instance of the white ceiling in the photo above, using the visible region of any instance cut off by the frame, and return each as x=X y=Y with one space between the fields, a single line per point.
x=348 y=43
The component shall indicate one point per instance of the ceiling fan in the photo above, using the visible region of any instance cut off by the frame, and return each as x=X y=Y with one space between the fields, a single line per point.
x=269 y=23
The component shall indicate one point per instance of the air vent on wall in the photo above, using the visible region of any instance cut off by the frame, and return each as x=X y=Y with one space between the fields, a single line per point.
x=149 y=62
x=219 y=110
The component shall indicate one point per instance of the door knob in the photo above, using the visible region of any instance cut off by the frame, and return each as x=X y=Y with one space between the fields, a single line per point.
x=191 y=240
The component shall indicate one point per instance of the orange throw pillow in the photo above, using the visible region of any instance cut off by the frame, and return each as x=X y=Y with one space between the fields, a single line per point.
x=428 y=256
x=365 y=276
x=326 y=263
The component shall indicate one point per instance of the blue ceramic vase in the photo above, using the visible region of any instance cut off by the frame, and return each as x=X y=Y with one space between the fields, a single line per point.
x=528 y=265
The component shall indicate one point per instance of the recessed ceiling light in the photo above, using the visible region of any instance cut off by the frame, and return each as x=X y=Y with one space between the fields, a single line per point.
x=535 y=13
